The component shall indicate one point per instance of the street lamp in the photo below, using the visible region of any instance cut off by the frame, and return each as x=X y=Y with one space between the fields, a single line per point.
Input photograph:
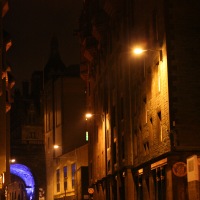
x=90 y=115
x=140 y=51
x=55 y=146
x=13 y=160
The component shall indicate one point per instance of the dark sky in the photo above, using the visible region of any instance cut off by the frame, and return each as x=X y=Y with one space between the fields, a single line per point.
x=31 y=24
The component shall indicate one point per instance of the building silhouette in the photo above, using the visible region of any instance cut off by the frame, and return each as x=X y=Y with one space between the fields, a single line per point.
x=64 y=127
x=27 y=138
x=144 y=134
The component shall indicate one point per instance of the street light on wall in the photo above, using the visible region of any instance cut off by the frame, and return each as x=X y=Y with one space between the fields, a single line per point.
x=55 y=146
x=140 y=51
x=13 y=160
x=90 y=115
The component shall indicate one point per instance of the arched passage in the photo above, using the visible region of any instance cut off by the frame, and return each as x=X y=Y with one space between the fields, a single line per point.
x=25 y=174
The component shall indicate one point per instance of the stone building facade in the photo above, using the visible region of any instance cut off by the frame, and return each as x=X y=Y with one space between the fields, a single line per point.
x=64 y=126
x=145 y=109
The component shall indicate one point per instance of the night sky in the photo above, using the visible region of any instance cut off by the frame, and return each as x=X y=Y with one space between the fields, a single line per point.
x=31 y=25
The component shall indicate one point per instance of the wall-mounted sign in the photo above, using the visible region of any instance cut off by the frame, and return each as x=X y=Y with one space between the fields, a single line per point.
x=90 y=190
x=179 y=169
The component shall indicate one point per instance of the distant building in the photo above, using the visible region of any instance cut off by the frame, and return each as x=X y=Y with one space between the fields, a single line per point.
x=144 y=135
x=71 y=174
x=27 y=134
x=64 y=125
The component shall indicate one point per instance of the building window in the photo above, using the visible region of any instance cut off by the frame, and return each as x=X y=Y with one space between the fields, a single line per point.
x=159 y=183
x=58 y=180
x=139 y=186
x=146 y=147
x=160 y=126
x=115 y=151
x=108 y=138
x=65 y=177
x=86 y=136
x=73 y=174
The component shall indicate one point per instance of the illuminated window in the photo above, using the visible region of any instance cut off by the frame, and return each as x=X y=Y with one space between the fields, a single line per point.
x=86 y=136
x=73 y=174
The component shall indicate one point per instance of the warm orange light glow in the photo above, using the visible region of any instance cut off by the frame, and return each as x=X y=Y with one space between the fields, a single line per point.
x=88 y=115
x=56 y=146
x=138 y=51
x=13 y=160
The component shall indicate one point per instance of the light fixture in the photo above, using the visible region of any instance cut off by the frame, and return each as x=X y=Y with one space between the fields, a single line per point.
x=55 y=146
x=140 y=51
x=13 y=160
x=88 y=115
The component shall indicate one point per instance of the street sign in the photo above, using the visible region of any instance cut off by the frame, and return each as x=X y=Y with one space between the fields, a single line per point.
x=90 y=190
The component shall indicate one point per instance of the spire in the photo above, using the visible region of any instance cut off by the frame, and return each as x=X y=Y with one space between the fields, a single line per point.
x=54 y=46
x=54 y=66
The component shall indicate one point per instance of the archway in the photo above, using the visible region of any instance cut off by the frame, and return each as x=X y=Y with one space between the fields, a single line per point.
x=25 y=174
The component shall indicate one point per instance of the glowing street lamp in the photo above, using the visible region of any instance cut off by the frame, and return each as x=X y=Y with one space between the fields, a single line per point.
x=13 y=160
x=88 y=115
x=140 y=51
x=55 y=146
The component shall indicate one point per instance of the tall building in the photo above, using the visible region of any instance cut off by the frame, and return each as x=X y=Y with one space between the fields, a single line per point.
x=64 y=126
x=27 y=140
x=144 y=134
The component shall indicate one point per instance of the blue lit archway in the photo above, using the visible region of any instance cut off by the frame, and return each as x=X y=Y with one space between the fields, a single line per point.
x=25 y=174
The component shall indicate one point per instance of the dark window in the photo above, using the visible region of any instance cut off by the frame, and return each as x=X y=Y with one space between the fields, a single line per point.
x=58 y=179
x=65 y=177
x=73 y=175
